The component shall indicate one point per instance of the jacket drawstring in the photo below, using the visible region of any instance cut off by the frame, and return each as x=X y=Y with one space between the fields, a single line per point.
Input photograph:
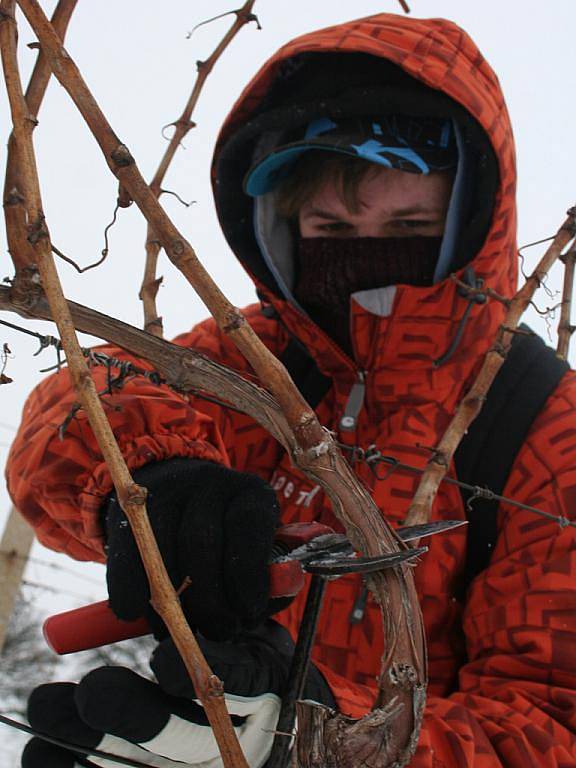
x=359 y=607
x=473 y=298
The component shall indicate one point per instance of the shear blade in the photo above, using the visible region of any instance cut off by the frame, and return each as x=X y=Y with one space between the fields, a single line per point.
x=334 y=566
x=411 y=532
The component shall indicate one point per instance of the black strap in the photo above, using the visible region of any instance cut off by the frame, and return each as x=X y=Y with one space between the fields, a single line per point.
x=529 y=375
x=484 y=458
x=301 y=366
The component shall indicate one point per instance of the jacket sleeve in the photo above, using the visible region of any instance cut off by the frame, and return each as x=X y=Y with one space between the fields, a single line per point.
x=515 y=706
x=56 y=474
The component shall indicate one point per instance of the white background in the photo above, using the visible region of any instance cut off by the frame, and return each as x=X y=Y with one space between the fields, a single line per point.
x=136 y=58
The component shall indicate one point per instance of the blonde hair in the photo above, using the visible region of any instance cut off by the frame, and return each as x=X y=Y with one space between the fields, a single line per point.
x=316 y=168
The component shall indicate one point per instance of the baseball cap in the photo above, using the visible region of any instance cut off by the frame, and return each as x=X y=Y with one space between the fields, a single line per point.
x=402 y=142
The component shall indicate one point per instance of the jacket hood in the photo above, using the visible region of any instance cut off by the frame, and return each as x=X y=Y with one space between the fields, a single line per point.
x=383 y=63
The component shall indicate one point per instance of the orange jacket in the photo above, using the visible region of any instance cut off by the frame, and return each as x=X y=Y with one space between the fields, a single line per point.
x=502 y=666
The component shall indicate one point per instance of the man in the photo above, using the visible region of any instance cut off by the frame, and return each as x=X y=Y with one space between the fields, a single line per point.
x=361 y=167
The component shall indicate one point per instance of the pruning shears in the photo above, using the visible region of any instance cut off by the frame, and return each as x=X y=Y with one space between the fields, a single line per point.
x=299 y=548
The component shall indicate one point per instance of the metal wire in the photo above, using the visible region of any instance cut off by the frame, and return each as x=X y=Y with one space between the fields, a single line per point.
x=373 y=457
x=48 y=564
x=69 y=745
x=56 y=590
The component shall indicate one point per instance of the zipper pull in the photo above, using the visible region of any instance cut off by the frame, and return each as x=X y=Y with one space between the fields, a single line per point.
x=354 y=404
x=359 y=607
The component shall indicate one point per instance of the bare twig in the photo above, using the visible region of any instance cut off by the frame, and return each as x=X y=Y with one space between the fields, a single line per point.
x=14 y=208
x=131 y=497
x=150 y=283
x=103 y=253
x=471 y=404
x=177 y=196
x=405 y=6
x=311 y=447
x=468 y=290
x=4 y=357
x=215 y=18
x=565 y=329
x=532 y=244
x=547 y=311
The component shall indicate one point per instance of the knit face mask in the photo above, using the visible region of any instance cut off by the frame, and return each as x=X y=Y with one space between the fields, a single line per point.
x=330 y=269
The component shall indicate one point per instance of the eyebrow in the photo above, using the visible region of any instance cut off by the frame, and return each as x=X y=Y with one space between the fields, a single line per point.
x=321 y=213
x=416 y=209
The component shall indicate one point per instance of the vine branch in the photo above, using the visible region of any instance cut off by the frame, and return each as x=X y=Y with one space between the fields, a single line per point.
x=565 y=328
x=471 y=404
x=13 y=198
x=131 y=496
x=150 y=283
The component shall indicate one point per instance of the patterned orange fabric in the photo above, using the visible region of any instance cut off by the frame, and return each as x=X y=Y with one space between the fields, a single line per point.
x=502 y=665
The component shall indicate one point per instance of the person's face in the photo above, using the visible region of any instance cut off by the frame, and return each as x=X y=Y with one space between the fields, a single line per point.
x=391 y=204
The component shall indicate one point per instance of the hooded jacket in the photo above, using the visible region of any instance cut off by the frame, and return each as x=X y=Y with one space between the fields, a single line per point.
x=502 y=679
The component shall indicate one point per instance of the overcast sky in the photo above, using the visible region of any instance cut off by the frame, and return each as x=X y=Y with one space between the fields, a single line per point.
x=136 y=58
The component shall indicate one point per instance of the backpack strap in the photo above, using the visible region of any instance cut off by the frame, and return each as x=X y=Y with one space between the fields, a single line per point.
x=312 y=384
x=301 y=366
x=484 y=458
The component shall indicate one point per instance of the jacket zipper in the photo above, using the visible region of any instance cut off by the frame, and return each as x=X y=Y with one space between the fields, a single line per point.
x=347 y=425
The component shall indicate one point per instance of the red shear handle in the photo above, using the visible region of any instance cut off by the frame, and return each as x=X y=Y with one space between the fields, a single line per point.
x=94 y=625
x=89 y=627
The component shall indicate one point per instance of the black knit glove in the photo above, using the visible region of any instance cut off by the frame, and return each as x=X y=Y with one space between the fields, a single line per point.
x=254 y=664
x=213 y=525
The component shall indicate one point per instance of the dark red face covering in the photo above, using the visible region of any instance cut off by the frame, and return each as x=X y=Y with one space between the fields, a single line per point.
x=332 y=268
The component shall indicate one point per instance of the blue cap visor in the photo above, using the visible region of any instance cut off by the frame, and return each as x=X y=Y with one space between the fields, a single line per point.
x=265 y=176
x=268 y=174
x=399 y=142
